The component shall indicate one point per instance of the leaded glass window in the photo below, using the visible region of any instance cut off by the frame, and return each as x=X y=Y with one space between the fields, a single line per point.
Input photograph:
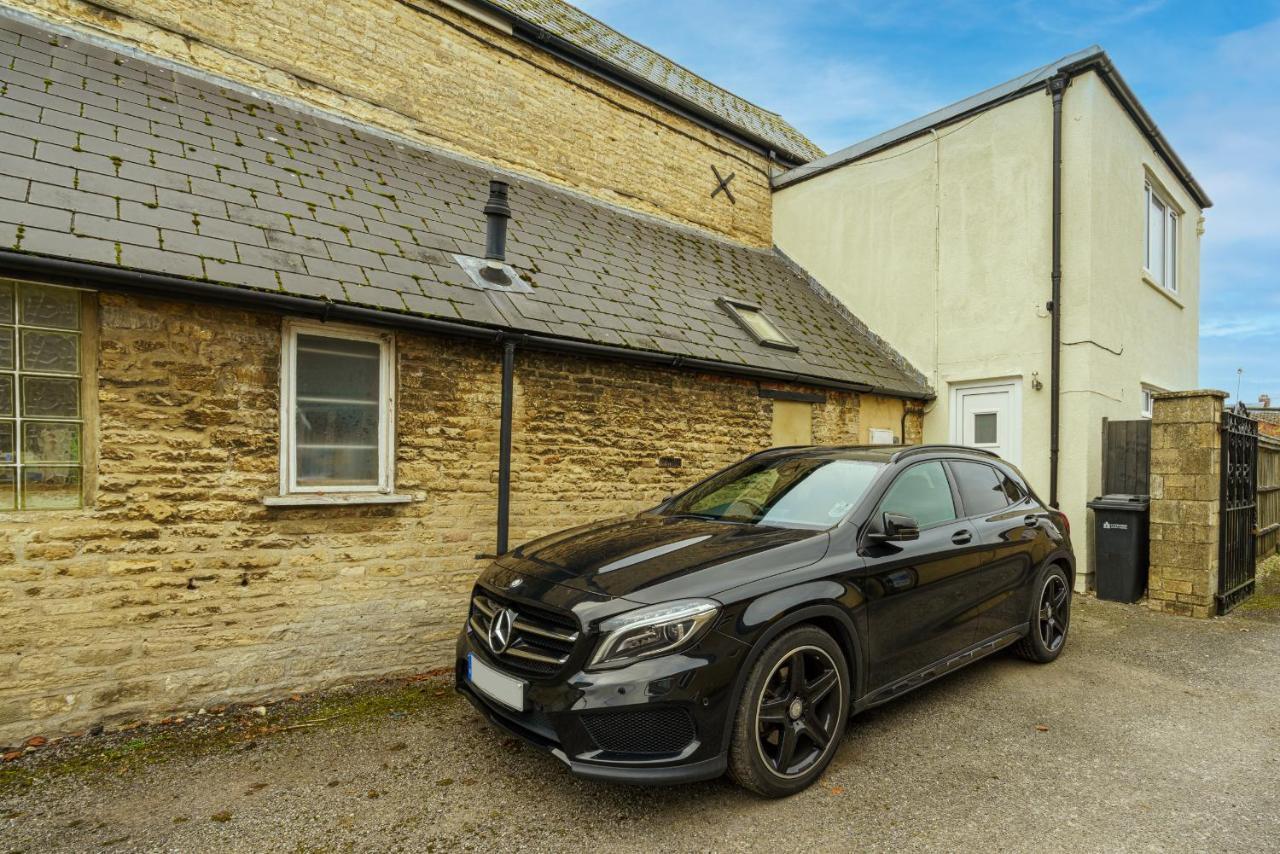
x=41 y=416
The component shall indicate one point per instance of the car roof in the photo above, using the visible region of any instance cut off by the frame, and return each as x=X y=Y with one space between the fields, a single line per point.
x=876 y=453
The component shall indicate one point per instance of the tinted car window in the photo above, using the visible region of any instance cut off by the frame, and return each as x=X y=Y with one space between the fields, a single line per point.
x=807 y=492
x=923 y=493
x=1012 y=489
x=981 y=491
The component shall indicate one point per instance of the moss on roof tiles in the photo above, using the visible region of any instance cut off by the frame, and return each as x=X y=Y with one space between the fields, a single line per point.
x=654 y=269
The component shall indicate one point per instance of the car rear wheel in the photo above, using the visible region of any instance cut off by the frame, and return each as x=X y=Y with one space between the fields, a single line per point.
x=792 y=713
x=1050 y=617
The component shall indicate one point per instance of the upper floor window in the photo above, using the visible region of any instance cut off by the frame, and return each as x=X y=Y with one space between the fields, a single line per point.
x=1162 y=240
x=337 y=410
x=41 y=426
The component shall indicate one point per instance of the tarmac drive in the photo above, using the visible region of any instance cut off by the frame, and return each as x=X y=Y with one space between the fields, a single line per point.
x=1150 y=733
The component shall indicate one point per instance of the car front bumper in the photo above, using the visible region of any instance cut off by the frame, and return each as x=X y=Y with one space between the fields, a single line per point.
x=661 y=721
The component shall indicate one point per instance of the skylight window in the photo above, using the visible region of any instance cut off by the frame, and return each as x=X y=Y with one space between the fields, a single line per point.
x=753 y=319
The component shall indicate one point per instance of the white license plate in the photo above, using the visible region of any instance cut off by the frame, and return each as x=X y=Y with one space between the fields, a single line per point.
x=495 y=685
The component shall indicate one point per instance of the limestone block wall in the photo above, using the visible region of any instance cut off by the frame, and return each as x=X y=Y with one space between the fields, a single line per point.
x=176 y=587
x=423 y=69
x=1186 y=459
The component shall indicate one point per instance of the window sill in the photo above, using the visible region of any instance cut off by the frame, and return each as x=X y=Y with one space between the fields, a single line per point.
x=1163 y=291
x=335 y=499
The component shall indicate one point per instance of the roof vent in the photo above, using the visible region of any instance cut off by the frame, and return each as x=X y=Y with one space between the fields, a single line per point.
x=492 y=272
x=496 y=212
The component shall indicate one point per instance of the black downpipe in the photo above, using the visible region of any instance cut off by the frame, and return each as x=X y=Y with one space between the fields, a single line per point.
x=1057 y=86
x=504 y=444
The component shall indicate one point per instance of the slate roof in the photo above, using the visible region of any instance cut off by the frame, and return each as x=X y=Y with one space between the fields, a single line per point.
x=605 y=43
x=112 y=157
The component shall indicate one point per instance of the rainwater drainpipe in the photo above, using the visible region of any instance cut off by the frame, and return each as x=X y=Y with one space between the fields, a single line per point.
x=497 y=213
x=1056 y=87
x=504 y=443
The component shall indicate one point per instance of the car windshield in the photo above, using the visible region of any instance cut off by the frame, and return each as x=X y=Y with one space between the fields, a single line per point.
x=805 y=492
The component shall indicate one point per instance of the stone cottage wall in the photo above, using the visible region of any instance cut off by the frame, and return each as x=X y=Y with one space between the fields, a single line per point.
x=430 y=72
x=177 y=587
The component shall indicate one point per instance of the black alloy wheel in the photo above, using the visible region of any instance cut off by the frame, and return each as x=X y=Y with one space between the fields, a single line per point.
x=792 y=714
x=1052 y=620
x=798 y=711
x=1050 y=617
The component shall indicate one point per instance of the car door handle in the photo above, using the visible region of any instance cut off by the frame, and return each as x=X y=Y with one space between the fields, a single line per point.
x=1031 y=521
x=961 y=537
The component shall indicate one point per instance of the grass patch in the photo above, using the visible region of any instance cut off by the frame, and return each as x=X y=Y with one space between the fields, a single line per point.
x=1266 y=600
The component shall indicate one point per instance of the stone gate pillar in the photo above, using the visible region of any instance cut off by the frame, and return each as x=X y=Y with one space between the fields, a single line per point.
x=1186 y=481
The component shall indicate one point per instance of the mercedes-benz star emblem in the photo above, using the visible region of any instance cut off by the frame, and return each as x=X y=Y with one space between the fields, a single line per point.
x=500 y=630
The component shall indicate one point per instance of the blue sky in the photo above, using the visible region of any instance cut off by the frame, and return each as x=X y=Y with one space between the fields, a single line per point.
x=1206 y=71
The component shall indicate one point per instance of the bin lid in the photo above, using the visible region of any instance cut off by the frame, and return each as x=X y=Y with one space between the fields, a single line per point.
x=1121 y=501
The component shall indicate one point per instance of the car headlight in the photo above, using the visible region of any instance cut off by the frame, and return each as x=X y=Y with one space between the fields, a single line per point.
x=652 y=631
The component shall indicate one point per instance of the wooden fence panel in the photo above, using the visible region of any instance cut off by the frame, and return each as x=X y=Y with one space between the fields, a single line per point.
x=1126 y=457
x=1268 y=497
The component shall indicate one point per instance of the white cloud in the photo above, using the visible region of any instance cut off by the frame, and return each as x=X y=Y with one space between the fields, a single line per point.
x=1084 y=18
x=1230 y=132
x=1252 y=326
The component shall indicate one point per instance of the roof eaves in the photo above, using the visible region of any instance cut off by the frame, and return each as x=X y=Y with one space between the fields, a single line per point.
x=1093 y=58
x=1102 y=64
x=92 y=275
x=962 y=109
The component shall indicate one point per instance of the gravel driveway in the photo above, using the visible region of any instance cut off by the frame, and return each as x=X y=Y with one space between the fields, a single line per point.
x=1150 y=733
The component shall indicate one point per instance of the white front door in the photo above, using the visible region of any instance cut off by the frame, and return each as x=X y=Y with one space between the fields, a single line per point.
x=989 y=417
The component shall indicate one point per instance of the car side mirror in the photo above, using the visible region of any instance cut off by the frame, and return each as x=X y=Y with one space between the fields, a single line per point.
x=894 y=528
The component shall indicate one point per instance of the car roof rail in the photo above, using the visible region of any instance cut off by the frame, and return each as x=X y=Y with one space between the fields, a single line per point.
x=925 y=449
x=778 y=448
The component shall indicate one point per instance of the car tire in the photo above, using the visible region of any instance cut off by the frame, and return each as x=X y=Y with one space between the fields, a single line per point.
x=792 y=713
x=1050 y=617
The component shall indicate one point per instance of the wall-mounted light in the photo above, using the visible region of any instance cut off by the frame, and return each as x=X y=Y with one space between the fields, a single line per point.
x=1035 y=381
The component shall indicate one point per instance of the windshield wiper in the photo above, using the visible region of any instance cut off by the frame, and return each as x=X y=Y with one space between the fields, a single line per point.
x=704 y=516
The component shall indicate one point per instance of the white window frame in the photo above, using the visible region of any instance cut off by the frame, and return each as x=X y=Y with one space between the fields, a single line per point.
x=1168 y=279
x=1148 y=404
x=288 y=403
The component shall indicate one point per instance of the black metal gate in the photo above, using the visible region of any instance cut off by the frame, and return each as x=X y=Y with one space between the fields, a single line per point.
x=1237 y=564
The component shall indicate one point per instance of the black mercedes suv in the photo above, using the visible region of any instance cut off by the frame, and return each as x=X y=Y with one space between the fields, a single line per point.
x=740 y=623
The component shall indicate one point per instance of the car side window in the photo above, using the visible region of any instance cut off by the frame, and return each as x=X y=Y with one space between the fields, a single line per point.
x=1013 y=490
x=980 y=488
x=923 y=493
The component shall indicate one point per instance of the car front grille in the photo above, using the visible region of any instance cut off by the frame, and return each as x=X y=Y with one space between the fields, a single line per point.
x=645 y=731
x=540 y=641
